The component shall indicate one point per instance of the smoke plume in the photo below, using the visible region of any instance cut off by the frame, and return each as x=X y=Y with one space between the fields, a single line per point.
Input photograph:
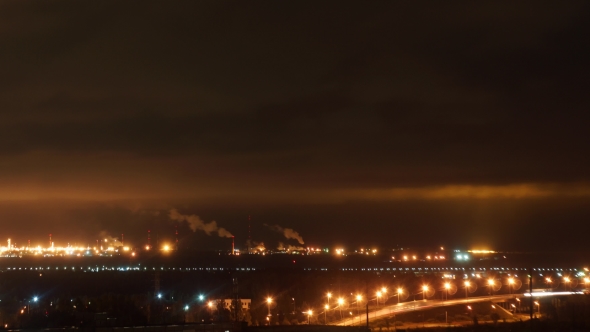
x=287 y=232
x=107 y=240
x=196 y=223
x=256 y=245
x=289 y=247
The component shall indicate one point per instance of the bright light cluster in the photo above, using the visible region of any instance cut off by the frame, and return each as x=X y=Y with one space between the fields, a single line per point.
x=12 y=251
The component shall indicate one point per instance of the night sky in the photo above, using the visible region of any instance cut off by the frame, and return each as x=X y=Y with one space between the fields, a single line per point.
x=352 y=123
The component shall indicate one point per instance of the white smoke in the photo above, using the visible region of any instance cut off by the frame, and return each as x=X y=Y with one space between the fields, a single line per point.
x=287 y=232
x=289 y=247
x=107 y=240
x=196 y=223
x=259 y=246
x=256 y=245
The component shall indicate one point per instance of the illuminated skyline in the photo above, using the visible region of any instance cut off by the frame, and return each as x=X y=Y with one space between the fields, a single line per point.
x=384 y=124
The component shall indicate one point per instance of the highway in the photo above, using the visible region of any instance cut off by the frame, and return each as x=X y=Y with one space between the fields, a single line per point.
x=419 y=305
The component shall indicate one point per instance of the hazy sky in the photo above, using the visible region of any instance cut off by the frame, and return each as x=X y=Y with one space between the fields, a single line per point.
x=352 y=123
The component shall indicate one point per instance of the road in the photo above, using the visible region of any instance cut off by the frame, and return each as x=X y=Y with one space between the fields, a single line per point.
x=419 y=305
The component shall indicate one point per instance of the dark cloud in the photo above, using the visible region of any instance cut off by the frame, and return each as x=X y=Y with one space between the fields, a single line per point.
x=149 y=106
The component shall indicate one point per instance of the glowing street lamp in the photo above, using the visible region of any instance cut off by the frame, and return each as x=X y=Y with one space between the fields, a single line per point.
x=566 y=280
x=358 y=301
x=309 y=313
x=399 y=292
x=424 y=290
x=378 y=297
x=447 y=287
x=510 y=283
x=491 y=284
x=268 y=302
x=539 y=306
x=340 y=303
x=327 y=306
x=467 y=284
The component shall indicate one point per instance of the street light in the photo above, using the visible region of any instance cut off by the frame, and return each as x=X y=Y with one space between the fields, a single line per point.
x=399 y=292
x=329 y=296
x=358 y=300
x=327 y=306
x=309 y=313
x=340 y=303
x=566 y=281
x=447 y=287
x=548 y=281
x=268 y=302
x=424 y=290
x=539 y=306
x=467 y=284
x=491 y=284
x=510 y=283
x=384 y=291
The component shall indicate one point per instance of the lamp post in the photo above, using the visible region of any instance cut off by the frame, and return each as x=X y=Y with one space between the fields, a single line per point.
x=447 y=287
x=510 y=283
x=358 y=300
x=309 y=313
x=399 y=292
x=325 y=311
x=548 y=281
x=566 y=280
x=383 y=292
x=539 y=307
x=340 y=302
x=268 y=302
x=29 y=306
x=467 y=284
x=424 y=290
x=491 y=284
